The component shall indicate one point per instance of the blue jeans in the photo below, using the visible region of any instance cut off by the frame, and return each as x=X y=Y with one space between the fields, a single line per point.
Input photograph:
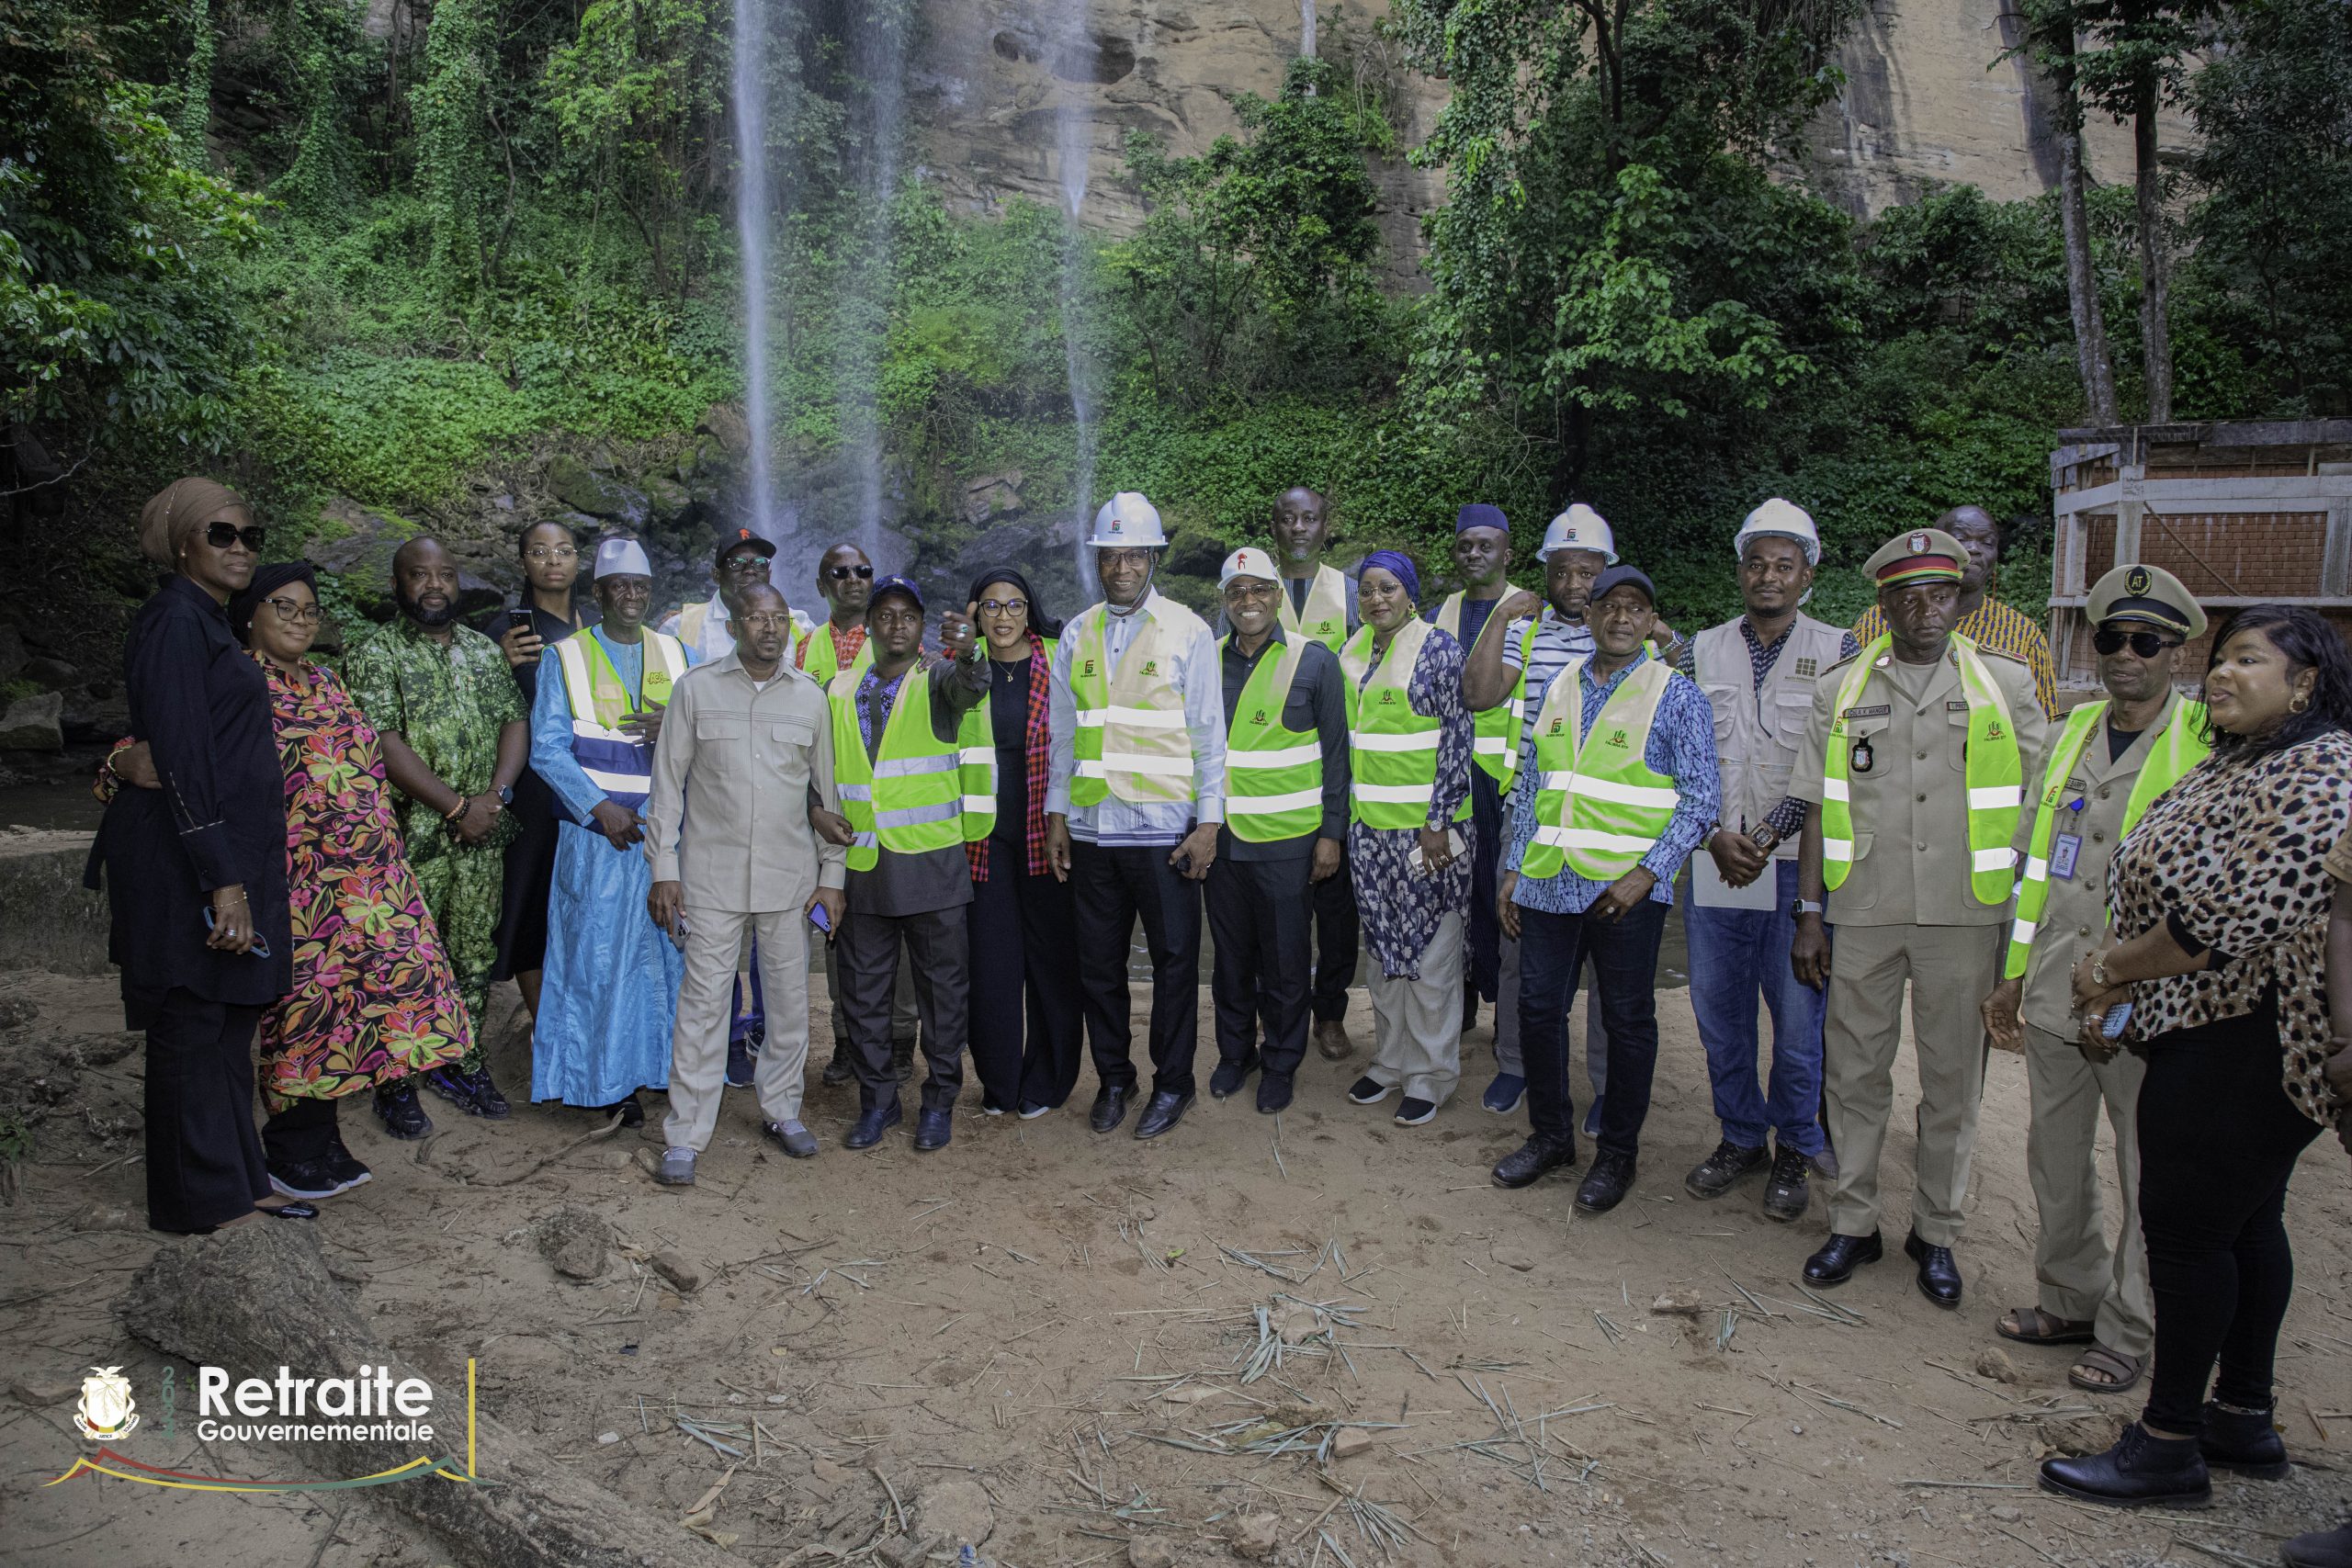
x=1733 y=953
x=1552 y=953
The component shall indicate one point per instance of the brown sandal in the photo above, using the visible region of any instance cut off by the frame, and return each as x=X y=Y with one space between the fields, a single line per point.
x=2124 y=1371
x=2035 y=1327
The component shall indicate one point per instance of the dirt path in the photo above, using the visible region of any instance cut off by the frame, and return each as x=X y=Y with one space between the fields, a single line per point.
x=1067 y=1320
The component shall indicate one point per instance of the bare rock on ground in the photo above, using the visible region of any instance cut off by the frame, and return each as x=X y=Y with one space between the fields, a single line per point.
x=576 y=1242
x=956 y=1509
x=1256 y=1536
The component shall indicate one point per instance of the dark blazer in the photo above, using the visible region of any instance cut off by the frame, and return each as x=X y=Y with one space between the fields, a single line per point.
x=202 y=706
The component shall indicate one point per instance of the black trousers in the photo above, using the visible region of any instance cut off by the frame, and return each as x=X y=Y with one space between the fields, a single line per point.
x=867 y=954
x=1552 y=954
x=205 y=1165
x=1258 y=913
x=1110 y=889
x=305 y=1130
x=2218 y=1140
x=1482 y=972
x=1026 y=1024
x=1337 y=933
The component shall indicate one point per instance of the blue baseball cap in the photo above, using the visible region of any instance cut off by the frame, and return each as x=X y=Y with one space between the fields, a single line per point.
x=1617 y=577
x=1479 y=515
x=905 y=585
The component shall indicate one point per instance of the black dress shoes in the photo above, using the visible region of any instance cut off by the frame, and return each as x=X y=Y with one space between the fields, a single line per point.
x=1273 y=1092
x=2245 y=1441
x=1533 y=1159
x=1226 y=1081
x=2137 y=1471
x=934 y=1130
x=1938 y=1274
x=872 y=1124
x=2319 y=1548
x=1605 y=1186
x=1840 y=1255
x=1110 y=1106
x=1163 y=1110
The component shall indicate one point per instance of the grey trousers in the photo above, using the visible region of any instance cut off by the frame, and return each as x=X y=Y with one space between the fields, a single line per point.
x=715 y=941
x=2082 y=1277
x=867 y=951
x=1416 y=1024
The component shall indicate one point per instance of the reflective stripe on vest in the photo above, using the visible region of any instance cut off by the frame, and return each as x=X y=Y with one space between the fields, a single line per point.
x=1273 y=775
x=1995 y=776
x=2180 y=748
x=1598 y=806
x=615 y=761
x=1496 y=744
x=1392 y=749
x=1324 y=619
x=1132 y=740
x=907 y=797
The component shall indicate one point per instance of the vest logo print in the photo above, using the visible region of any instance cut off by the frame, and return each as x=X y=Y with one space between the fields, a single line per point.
x=1151 y=666
x=1090 y=667
x=1617 y=738
x=1388 y=698
x=1808 y=666
x=1992 y=730
x=1259 y=717
x=1555 y=727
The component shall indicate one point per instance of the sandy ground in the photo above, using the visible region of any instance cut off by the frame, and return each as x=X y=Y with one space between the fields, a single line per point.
x=1064 y=1319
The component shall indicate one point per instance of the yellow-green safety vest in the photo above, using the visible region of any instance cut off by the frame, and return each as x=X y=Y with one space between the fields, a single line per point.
x=908 y=796
x=693 y=617
x=1994 y=776
x=615 y=761
x=1324 y=619
x=1132 y=740
x=1598 y=806
x=2180 y=748
x=825 y=663
x=1273 y=775
x=976 y=752
x=1392 y=749
x=1496 y=744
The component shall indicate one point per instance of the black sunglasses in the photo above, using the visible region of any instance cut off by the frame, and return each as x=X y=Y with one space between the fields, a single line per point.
x=838 y=572
x=741 y=562
x=221 y=536
x=2146 y=645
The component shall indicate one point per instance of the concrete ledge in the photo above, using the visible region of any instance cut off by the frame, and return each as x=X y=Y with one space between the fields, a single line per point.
x=48 y=920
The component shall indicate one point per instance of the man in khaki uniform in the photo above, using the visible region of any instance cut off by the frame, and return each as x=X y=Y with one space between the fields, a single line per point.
x=1913 y=765
x=2100 y=771
x=746 y=754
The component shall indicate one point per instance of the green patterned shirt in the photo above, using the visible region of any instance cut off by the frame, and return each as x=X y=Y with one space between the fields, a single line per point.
x=449 y=704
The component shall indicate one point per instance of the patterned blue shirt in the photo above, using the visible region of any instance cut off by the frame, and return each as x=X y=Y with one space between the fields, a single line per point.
x=1682 y=746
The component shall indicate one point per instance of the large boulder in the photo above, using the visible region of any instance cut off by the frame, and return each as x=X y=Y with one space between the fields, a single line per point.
x=726 y=422
x=34 y=723
x=583 y=488
x=355 y=545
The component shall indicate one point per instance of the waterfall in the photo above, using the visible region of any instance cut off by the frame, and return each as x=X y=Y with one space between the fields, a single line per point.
x=752 y=224
x=1069 y=47
x=878 y=52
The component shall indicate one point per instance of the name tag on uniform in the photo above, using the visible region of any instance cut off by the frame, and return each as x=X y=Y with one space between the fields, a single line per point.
x=1955 y=707
x=2064 y=851
x=1877 y=710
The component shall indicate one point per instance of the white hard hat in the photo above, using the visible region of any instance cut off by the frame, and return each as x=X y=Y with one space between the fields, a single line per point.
x=1246 y=561
x=1128 y=520
x=1783 y=520
x=1579 y=528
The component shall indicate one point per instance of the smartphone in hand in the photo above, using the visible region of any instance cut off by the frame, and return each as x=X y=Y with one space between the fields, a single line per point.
x=821 y=920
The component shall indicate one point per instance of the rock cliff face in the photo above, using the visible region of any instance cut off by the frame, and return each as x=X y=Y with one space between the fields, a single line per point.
x=1928 y=98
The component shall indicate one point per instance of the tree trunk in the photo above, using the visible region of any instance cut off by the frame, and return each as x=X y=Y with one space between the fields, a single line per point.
x=258 y=1297
x=2155 y=307
x=2091 y=355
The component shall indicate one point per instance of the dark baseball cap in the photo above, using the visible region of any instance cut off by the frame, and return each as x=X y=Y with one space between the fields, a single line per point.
x=742 y=537
x=905 y=585
x=1617 y=577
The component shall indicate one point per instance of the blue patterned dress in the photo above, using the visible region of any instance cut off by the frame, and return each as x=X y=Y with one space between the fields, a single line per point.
x=1401 y=908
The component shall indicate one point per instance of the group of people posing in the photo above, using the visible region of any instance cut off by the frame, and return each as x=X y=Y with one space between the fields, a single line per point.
x=1488 y=795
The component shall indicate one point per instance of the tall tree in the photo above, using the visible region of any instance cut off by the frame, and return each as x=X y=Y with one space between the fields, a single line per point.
x=2054 y=33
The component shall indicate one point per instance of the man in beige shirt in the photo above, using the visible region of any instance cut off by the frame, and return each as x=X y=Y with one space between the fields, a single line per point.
x=736 y=854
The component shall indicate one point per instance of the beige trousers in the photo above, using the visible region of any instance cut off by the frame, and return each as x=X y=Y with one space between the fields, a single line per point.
x=1416 y=1024
x=1949 y=969
x=706 y=1007
x=2082 y=1277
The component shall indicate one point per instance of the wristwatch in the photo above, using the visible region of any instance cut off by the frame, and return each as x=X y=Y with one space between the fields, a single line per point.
x=1807 y=907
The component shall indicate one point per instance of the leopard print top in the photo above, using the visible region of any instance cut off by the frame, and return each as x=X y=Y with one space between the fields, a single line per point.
x=2238 y=851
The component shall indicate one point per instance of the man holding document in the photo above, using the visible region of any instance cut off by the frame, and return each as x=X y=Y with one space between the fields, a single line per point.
x=1758 y=671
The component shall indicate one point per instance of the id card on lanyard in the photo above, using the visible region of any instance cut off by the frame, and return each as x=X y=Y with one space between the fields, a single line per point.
x=2066 y=849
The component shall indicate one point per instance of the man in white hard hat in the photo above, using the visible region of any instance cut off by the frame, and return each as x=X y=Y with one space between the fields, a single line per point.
x=1758 y=670
x=1133 y=805
x=1526 y=642
x=1286 y=821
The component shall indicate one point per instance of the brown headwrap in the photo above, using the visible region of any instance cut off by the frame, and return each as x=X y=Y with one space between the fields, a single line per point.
x=174 y=512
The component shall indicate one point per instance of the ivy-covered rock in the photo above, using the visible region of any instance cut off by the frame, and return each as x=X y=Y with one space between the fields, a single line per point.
x=583 y=488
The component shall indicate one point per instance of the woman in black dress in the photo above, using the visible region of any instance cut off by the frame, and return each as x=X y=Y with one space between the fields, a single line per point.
x=196 y=871
x=550 y=567
x=1024 y=928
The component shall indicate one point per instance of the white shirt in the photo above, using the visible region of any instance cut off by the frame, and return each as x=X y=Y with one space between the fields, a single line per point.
x=1196 y=674
x=716 y=639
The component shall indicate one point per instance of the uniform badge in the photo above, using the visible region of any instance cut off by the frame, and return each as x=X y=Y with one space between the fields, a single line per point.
x=1862 y=757
x=2137 y=582
x=1919 y=544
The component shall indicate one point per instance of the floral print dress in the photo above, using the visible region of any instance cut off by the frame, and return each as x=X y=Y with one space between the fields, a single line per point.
x=373 y=997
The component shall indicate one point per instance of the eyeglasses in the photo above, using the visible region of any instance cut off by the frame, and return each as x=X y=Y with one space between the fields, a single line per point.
x=302 y=615
x=221 y=536
x=1004 y=606
x=742 y=564
x=544 y=554
x=841 y=574
x=2146 y=645
x=1103 y=559
x=766 y=621
x=1250 y=588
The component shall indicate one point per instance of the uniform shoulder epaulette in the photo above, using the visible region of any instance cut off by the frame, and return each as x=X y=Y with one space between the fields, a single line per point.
x=1832 y=669
x=2018 y=659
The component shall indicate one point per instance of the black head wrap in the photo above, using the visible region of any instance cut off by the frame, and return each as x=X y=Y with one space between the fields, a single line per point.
x=267 y=580
x=1043 y=624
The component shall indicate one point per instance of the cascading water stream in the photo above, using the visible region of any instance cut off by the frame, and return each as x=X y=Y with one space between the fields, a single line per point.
x=879 y=49
x=752 y=219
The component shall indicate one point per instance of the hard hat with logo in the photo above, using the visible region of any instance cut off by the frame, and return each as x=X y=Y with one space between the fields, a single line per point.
x=1579 y=528
x=1127 y=521
x=1778 y=519
x=1248 y=561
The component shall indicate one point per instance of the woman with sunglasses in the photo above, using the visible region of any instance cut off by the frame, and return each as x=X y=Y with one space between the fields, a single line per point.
x=2221 y=901
x=1024 y=928
x=194 y=872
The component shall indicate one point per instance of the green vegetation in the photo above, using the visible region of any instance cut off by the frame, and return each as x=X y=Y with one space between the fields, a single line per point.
x=246 y=236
